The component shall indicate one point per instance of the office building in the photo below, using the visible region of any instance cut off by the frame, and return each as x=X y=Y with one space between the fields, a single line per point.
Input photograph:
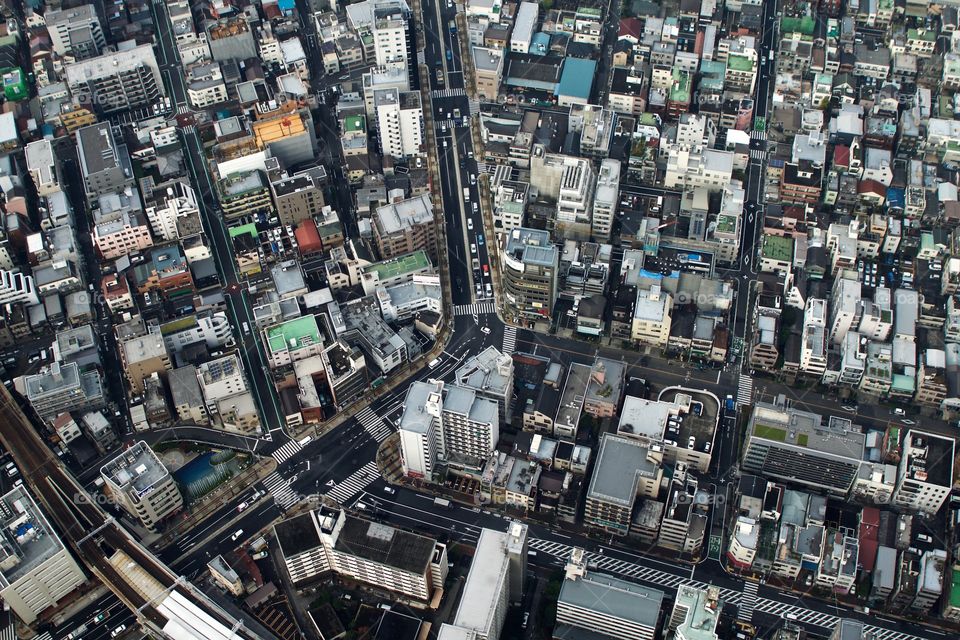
x=925 y=474
x=17 y=287
x=403 y=227
x=143 y=356
x=36 y=569
x=293 y=340
x=297 y=198
x=695 y=613
x=187 y=396
x=605 y=199
x=173 y=212
x=75 y=32
x=603 y=607
x=530 y=272
x=138 y=481
x=652 y=319
x=624 y=470
x=495 y=580
x=346 y=371
x=795 y=446
x=327 y=540
x=390 y=34
x=490 y=375
x=104 y=163
x=117 y=81
x=61 y=387
x=399 y=121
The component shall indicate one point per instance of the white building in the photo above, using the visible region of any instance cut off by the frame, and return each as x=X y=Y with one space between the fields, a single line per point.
x=42 y=167
x=36 y=569
x=400 y=122
x=651 y=317
x=925 y=476
x=695 y=613
x=138 y=481
x=205 y=85
x=75 y=32
x=220 y=379
x=177 y=202
x=420 y=428
x=523 y=26
x=813 y=346
x=605 y=199
x=390 y=34
x=17 y=287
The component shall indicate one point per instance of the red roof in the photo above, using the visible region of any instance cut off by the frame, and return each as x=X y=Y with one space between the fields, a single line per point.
x=872 y=186
x=841 y=155
x=869 y=527
x=308 y=239
x=630 y=28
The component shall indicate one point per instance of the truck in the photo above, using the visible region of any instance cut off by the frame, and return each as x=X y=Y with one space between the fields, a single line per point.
x=441 y=502
x=730 y=405
x=466 y=194
x=76 y=633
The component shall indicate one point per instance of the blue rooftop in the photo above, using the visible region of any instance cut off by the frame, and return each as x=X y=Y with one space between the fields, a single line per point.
x=577 y=78
x=540 y=44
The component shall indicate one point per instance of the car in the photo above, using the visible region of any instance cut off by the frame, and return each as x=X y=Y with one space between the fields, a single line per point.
x=691 y=442
x=469 y=224
x=389 y=490
x=848 y=407
x=236 y=535
x=11 y=469
x=488 y=290
x=470 y=154
x=100 y=617
x=706 y=447
x=486 y=270
x=242 y=506
x=118 y=631
x=476 y=207
x=480 y=239
x=485 y=330
x=897 y=411
x=908 y=422
x=473 y=249
x=473 y=178
x=526 y=619
x=456 y=113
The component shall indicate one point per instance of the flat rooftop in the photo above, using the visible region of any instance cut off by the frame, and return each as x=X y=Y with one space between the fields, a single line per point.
x=293 y=334
x=415 y=417
x=617 y=598
x=26 y=539
x=385 y=545
x=135 y=470
x=620 y=462
x=396 y=267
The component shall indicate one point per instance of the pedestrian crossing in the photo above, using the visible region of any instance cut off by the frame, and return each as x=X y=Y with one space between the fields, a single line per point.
x=480 y=307
x=284 y=453
x=747 y=602
x=483 y=167
x=744 y=390
x=280 y=489
x=357 y=482
x=758 y=154
x=183 y=109
x=374 y=424
x=509 y=339
x=758 y=135
x=450 y=123
x=448 y=93
x=189 y=130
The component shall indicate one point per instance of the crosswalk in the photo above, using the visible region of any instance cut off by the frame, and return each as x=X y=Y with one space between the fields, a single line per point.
x=282 y=454
x=448 y=93
x=183 y=109
x=747 y=602
x=758 y=135
x=758 y=154
x=449 y=123
x=480 y=307
x=509 y=339
x=483 y=167
x=357 y=482
x=189 y=130
x=374 y=424
x=279 y=488
x=744 y=389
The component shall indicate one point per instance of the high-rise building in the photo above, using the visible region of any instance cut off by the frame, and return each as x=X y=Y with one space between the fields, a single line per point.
x=624 y=470
x=17 y=287
x=326 y=540
x=925 y=475
x=346 y=371
x=297 y=197
x=496 y=579
x=490 y=374
x=75 y=32
x=36 y=569
x=119 y=80
x=530 y=266
x=695 y=613
x=104 y=162
x=390 y=34
x=42 y=166
x=605 y=199
x=61 y=387
x=400 y=122
x=138 y=481
x=404 y=227
x=421 y=432
x=604 y=607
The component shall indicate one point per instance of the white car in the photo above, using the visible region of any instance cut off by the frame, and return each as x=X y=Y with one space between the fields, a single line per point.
x=236 y=535
x=118 y=631
x=899 y=412
x=469 y=224
x=473 y=249
x=242 y=506
x=389 y=490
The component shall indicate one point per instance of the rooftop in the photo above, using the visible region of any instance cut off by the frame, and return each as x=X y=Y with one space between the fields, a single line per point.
x=616 y=598
x=415 y=417
x=294 y=334
x=620 y=463
x=385 y=545
x=26 y=538
x=779 y=248
x=395 y=267
x=135 y=470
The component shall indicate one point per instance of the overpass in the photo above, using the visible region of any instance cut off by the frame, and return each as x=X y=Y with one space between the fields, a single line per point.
x=164 y=602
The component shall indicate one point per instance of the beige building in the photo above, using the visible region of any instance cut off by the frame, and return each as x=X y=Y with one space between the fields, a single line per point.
x=651 y=317
x=138 y=481
x=488 y=64
x=36 y=569
x=143 y=356
x=404 y=227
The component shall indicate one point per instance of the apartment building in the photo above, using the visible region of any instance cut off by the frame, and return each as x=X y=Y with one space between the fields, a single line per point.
x=624 y=470
x=129 y=233
x=292 y=341
x=244 y=193
x=421 y=429
x=138 y=481
x=173 y=213
x=925 y=474
x=118 y=80
x=488 y=64
x=530 y=274
x=37 y=570
x=695 y=613
x=404 y=227
x=298 y=197
x=75 y=32
x=390 y=34
x=399 y=121
x=346 y=371
x=489 y=374
x=651 y=319
x=206 y=85
x=17 y=287
x=605 y=199
x=186 y=395
x=794 y=446
x=327 y=541
x=104 y=163
x=59 y=388
x=43 y=167
x=813 y=347
x=684 y=523
x=143 y=356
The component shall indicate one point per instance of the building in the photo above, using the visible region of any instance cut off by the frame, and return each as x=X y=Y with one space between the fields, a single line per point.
x=490 y=375
x=297 y=198
x=43 y=167
x=925 y=474
x=624 y=469
x=173 y=212
x=695 y=613
x=421 y=430
x=603 y=607
x=186 y=395
x=605 y=199
x=104 y=164
x=795 y=446
x=651 y=321
x=117 y=81
x=138 y=481
x=142 y=356
x=346 y=371
x=523 y=27
x=530 y=273
x=244 y=193
x=399 y=121
x=317 y=543
x=206 y=85
x=404 y=227
x=390 y=34
x=75 y=32
x=62 y=387
x=128 y=234
x=37 y=571
x=17 y=287
x=292 y=340
x=496 y=579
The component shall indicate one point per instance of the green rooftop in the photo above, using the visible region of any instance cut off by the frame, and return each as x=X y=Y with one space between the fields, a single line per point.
x=955 y=588
x=903 y=383
x=768 y=432
x=928 y=35
x=726 y=223
x=740 y=63
x=249 y=229
x=777 y=248
x=804 y=25
x=680 y=90
x=293 y=334
x=389 y=269
x=187 y=322
x=354 y=123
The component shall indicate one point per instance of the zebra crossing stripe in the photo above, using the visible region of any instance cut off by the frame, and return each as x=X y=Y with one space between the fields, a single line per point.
x=374 y=424
x=280 y=489
x=744 y=389
x=282 y=454
x=478 y=308
x=357 y=482
x=509 y=339
x=448 y=93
